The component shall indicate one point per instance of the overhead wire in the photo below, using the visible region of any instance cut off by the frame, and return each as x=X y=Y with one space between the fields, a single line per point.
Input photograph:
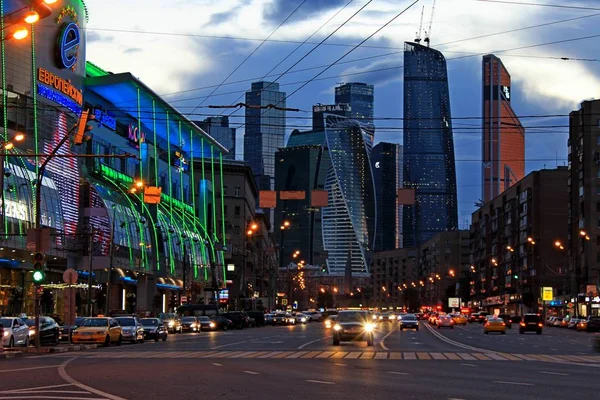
x=525 y=3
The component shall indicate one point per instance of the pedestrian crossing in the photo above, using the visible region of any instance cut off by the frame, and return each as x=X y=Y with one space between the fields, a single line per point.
x=348 y=355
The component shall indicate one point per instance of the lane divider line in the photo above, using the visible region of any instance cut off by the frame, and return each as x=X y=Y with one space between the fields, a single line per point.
x=62 y=372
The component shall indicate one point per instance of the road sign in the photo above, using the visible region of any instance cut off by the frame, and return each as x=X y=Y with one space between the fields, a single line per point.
x=284 y=302
x=70 y=276
x=547 y=294
x=454 y=302
x=184 y=299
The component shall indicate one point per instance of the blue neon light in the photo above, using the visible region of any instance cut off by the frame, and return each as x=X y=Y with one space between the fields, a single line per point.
x=165 y=286
x=68 y=45
x=104 y=118
x=59 y=98
x=128 y=279
x=86 y=273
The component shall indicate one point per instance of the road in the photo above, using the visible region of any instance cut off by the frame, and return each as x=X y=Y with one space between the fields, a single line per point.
x=300 y=362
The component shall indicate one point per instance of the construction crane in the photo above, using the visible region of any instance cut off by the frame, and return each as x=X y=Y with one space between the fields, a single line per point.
x=428 y=31
x=418 y=39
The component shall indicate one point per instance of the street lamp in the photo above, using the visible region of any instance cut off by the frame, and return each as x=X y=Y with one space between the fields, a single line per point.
x=509 y=248
x=32 y=17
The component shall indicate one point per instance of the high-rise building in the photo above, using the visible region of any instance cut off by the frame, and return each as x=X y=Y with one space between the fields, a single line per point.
x=319 y=110
x=264 y=133
x=428 y=146
x=386 y=164
x=584 y=207
x=503 y=135
x=218 y=128
x=360 y=97
x=349 y=219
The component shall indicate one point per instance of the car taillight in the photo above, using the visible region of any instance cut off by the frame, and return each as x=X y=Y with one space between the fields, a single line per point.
x=522 y=324
x=487 y=324
x=503 y=324
x=540 y=325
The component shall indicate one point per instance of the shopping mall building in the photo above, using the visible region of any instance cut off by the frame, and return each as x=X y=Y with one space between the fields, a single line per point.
x=129 y=253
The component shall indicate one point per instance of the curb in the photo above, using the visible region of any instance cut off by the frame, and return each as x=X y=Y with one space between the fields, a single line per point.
x=8 y=354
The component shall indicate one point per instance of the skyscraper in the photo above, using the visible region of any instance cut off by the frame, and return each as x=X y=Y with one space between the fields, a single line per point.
x=503 y=135
x=264 y=132
x=429 y=165
x=360 y=97
x=386 y=164
x=218 y=128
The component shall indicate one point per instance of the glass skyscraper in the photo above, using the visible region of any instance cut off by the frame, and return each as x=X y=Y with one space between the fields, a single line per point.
x=349 y=220
x=218 y=128
x=264 y=131
x=386 y=164
x=429 y=165
x=360 y=97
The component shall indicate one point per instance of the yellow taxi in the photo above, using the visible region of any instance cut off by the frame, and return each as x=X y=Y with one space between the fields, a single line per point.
x=459 y=319
x=494 y=324
x=99 y=330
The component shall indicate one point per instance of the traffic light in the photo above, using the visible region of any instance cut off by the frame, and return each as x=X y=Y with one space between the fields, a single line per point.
x=83 y=127
x=38 y=268
x=323 y=268
x=516 y=276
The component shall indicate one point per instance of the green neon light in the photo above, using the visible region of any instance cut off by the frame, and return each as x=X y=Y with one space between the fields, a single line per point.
x=34 y=95
x=154 y=144
x=170 y=185
x=131 y=263
x=205 y=206
x=183 y=218
x=110 y=173
x=176 y=203
x=142 y=235
x=214 y=201
x=94 y=71
x=222 y=215
x=4 y=98
x=193 y=186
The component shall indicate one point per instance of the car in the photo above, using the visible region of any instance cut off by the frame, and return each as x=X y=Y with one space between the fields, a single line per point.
x=100 y=330
x=15 y=332
x=494 y=324
x=432 y=318
x=573 y=323
x=66 y=331
x=251 y=322
x=459 y=319
x=353 y=326
x=300 y=318
x=171 y=321
x=282 y=318
x=507 y=319
x=132 y=330
x=155 y=329
x=330 y=321
x=531 y=323
x=445 y=321
x=482 y=317
x=314 y=315
x=565 y=322
x=49 y=331
x=550 y=320
x=220 y=323
x=269 y=319
x=557 y=321
x=388 y=317
x=258 y=316
x=409 y=321
x=581 y=325
x=239 y=318
x=593 y=324
x=190 y=324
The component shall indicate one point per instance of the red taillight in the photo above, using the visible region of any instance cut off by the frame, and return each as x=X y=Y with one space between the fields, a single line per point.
x=540 y=325
x=487 y=324
x=522 y=324
x=503 y=324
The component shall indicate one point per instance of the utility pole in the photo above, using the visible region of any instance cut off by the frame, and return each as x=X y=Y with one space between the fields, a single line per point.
x=90 y=271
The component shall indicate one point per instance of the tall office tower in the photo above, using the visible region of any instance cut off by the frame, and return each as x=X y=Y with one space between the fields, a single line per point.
x=349 y=220
x=386 y=164
x=360 y=99
x=264 y=133
x=503 y=135
x=428 y=146
x=218 y=128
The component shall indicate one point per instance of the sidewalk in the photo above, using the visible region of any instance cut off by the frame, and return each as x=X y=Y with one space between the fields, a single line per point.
x=63 y=348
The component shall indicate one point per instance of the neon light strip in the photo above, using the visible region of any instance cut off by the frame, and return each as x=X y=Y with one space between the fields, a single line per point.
x=170 y=189
x=143 y=238
x=131 y=263
x=156 y=183
x=193 y=257
x=222 y=214
x=4 y=98
x=193 y=188
x=34 y=95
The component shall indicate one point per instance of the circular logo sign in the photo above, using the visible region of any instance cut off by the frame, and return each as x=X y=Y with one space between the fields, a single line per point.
x=70 y=276
x=69 y=40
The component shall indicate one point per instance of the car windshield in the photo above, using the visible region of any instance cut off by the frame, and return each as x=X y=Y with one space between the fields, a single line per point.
x=534 y=318
x=29 y=322
x=167 y=316
x=6 y=322
x=79 y=321
x=203 y=319
x=149 y=321
x=126 y=321
x=95 y=322
x=352 y=317
x=409 y=317
x=188 y=319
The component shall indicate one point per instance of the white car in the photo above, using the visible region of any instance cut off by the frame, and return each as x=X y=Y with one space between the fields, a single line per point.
x=16 y=332
x=313 y=315
x=301 y=318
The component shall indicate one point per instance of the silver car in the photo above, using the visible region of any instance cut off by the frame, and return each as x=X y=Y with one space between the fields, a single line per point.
x=132 y=329
x=16 y=332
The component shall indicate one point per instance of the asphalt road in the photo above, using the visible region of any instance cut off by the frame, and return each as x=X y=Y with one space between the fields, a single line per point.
x=300 y=363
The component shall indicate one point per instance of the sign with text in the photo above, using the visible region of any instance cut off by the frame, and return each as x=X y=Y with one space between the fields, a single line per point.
x=454 y=302
x=547 y=293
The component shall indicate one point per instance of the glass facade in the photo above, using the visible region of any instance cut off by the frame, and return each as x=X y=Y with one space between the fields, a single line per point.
x=387 y=167
x=360 y=97
x=349 y=220
x=429 y=165
x=218 y=128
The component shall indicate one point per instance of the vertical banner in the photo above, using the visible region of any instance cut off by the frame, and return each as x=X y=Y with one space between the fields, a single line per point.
x=319 y=198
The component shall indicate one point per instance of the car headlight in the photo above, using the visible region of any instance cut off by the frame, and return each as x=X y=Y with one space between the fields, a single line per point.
x=381 y=317
x=5 y=333
x=31 y=332
x=369 y=327
x=212 y=325
x=100 y=332
x=374 y=317
x=303 y=319
x=171 y=323
x=399 y=318
x=337 y=327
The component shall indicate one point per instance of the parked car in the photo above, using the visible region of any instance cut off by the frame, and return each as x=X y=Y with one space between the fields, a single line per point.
x=132 y=330
x=581 y=325
x=573 y=323
x=15 y=332
x=190 y=324
x=593 y=324
x=172 y=321
x=269 y=319
x=239 y=318
x=557 y=321
x=155 y=329
x=531 y=323
x=550 y=321
x=565 y=322
x=66 y=331
x=99 y=330
x=49 y=331
x=258 y=316
x=494 y=324
x=353 y=326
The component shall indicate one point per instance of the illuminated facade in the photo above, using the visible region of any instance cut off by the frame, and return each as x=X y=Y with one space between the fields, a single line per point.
x=429 y=165
x=139 y=254
x=503 y=142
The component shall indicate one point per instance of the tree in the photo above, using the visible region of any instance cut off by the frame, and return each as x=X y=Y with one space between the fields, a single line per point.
x=325 y=300
x=47 y=302
x=411 y=299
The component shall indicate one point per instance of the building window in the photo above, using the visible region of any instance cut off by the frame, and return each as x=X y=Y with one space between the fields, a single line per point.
x=598 y=140
x=237 y=191
x=224 y=190
x=237 y=211
x=598 y=223
x=225 y=211
x=236 y=230
x=598 y=173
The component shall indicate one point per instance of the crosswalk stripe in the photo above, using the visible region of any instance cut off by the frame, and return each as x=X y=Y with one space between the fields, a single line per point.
x=510 y=357
x=589 y=358
x=495 y=356
x=395 y=356
x=238 y=354
x=466 y=356
x=297 y=354
x=270 y=355
x=367 y=355
x=437 y=356
x=311 y=354
x=524 y=357
x=283 y=354
x=481 y=357
x=353 y=354
x=340 y=354
x=423 y=356
x=550 y=358
x=536 y=357
x=255 y=354
x=325 y=354
x=452 y=356
x=410 y=356
x=381 y=356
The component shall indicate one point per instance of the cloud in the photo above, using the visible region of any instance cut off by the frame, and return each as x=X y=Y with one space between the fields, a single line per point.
x=94 y=36
x=133 y=50
x=278 y=10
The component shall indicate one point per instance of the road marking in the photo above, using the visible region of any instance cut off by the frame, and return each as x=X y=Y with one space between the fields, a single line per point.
x=354 y=354
x=452 y=356
x=469 y=365
x=513 y=383
x=340 y=364
x=297 y=354
x=321 y=382
x=553 y=373
x=437 y=356
x=339 y=354
x=313 y=341
x=424 y=356
x=381 y=356
x=325 y=354
x=29 y=369
x=251 y=372
x=367 y=355
x=38 y=388
x=62 y=372
x=398 y=373
x=381 y=342
x=410 y=356
x=217 y=364
x=229 y=344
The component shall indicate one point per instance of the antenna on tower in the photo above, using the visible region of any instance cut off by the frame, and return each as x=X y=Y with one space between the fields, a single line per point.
x=428 y=31
x=418 y=39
